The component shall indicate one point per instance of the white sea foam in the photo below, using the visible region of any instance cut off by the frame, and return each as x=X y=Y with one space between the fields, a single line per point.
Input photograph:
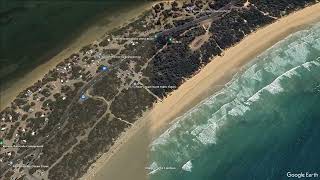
x=274 y=64
x=198 y=129
x=153 y=166
x=207 y=134
x=316 y=45
x=308 y=65
x=253 y=98
x=275 y=87
x=204 y=133
x=293 y=53
x=222 y=110
x=162 y=139
x=154 y=171
x=202 y=124
x=239 y=110
x=253 y=73
x=187 y=166
x=292 y=73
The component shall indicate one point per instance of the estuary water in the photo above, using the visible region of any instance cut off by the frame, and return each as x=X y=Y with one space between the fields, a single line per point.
x=264 y=124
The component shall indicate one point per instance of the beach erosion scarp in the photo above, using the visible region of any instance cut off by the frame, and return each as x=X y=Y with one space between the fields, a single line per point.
x=130 y=157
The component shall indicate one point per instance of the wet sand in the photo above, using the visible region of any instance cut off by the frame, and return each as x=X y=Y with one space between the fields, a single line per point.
x=129 y=156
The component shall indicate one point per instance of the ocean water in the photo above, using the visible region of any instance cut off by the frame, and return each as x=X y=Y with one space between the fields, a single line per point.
x=261 y=125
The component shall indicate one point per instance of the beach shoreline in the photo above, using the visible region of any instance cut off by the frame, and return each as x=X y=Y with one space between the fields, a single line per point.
x=130 y=150
x=91 y=34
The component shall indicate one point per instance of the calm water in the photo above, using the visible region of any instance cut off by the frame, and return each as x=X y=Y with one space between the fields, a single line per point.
x=33 y=31
x=264 y=123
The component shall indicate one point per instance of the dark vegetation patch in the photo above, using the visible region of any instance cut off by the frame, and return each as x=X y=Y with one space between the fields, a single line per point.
x=110 y=52
x=130 y=103
x=217 y=4
x=280 y=8
x=80 y=117
x=182 y=21
x=145 y=49
x=255 y=18
x=100 y=139
x=170 y=67
x=189 y=36
x=209 y=49
x=108 y=86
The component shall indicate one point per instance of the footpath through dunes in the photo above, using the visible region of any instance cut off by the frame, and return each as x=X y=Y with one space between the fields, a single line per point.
x=265 y=112
x=135 y=144
x=214 y=75
x=149 y=72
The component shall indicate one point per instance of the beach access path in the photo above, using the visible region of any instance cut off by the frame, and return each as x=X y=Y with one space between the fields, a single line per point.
x=128 y=158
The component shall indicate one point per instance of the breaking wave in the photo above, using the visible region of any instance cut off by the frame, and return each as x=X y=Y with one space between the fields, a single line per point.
x=289 y=66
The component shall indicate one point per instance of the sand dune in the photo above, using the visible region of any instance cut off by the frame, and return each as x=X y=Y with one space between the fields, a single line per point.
x=128 y=158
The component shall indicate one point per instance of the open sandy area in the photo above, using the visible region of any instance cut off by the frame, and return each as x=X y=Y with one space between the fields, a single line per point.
x=93 y=33
x=129 y=156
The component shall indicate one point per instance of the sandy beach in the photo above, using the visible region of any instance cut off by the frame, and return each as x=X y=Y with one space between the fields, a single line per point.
x=129 y=156
x=93 y=33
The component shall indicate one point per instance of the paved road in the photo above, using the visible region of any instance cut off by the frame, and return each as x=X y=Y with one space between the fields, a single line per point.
x=217 y=14
x=214 y=16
